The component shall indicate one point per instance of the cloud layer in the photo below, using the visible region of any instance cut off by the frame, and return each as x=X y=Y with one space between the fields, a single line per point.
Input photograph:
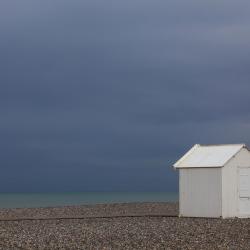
x=106 y=95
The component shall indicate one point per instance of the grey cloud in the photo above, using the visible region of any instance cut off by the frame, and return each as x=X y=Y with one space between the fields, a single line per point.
x=105 y=95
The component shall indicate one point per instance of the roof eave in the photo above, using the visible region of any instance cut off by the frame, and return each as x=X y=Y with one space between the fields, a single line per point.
x=199 y=167
x=186 y=155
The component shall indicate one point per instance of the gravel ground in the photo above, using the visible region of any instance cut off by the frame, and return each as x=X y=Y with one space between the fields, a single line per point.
x=115 y=209
x=120 y=233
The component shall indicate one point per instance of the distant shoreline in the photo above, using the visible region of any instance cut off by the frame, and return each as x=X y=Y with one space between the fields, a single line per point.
x=36 y=200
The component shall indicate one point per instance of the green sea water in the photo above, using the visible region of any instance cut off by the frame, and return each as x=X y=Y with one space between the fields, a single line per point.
x=22 y=200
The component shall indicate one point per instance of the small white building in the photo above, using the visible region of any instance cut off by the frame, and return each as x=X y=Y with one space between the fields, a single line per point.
x=214 y=181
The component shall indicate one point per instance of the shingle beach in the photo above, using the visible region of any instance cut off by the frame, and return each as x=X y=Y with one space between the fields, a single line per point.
x=118 y=226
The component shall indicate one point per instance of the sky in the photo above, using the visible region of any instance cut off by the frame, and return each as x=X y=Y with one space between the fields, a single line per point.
x=106 y=95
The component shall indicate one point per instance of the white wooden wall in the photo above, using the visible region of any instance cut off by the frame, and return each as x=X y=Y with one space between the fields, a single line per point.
x=200 y=192
x=230 y=196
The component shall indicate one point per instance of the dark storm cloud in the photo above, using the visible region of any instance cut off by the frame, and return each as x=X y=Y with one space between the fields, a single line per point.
x=105 y=95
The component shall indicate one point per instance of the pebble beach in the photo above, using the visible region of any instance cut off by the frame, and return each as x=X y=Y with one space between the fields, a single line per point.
x=118 y=226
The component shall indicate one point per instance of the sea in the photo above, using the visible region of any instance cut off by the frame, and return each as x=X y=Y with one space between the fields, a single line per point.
x=28 y=200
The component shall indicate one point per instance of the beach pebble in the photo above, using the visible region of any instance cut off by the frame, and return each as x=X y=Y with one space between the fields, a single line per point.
x=146 y=232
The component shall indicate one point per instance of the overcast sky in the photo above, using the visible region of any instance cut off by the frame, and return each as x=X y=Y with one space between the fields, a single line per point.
x=106 y=95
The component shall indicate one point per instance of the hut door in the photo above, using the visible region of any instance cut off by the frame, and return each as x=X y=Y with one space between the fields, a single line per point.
x=244 y=191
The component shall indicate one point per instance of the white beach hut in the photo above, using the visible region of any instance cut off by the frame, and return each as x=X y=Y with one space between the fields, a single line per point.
x=214 y=181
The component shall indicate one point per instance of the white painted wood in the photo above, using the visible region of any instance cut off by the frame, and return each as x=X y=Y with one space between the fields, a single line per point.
x=208 y=156
x=215 y=191
x=244 y=182
x=244 y=191
x=244 y=207
x=230 y=182
x=200 y=192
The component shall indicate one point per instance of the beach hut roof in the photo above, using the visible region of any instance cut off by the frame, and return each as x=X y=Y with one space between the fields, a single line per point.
x=208 y=155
